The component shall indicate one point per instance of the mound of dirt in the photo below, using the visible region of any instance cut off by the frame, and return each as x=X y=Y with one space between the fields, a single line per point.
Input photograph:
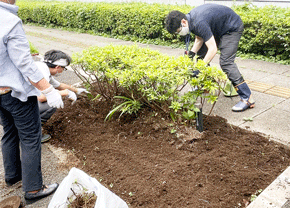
x=151 y=162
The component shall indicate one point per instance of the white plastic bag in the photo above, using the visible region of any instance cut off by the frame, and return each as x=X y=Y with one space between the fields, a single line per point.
x=105 y=198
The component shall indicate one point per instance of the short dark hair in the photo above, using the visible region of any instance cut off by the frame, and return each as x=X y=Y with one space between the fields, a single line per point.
x=173 y=21
x=54 y=55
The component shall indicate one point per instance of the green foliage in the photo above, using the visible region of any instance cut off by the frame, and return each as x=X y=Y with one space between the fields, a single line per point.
x=130 y=106
x=189 y=115
x=33 y=49
x=134 y=77
x=266 y=30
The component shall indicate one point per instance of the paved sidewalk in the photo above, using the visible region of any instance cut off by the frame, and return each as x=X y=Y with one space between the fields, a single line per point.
x=270 y=84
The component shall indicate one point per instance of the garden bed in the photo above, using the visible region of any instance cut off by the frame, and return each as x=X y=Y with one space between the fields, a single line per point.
x=151 y=162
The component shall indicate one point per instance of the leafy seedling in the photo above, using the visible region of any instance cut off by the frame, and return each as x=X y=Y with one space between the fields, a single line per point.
x=248 y=119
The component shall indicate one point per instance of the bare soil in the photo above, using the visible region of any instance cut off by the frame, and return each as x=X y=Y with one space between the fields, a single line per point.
x=141 y=160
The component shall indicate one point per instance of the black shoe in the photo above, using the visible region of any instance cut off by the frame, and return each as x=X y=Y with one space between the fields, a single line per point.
x=43 y=192
x=45 y=138
x=12 y=181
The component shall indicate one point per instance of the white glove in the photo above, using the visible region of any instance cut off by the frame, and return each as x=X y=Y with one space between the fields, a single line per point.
x=80 y=90
x=71 y=95
x=53 y=97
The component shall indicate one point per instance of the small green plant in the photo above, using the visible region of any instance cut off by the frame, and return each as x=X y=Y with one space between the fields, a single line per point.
x=254 y=196
x=172 y=131
x=189 y=115
x=129 y=106
x=248 y=119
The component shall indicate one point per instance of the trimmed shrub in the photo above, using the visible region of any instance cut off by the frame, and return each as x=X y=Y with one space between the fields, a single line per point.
x=133 y=77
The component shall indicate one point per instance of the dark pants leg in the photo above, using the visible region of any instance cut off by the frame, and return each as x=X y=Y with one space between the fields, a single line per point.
x=45 y=111
x=21 y=124
x=228 y=47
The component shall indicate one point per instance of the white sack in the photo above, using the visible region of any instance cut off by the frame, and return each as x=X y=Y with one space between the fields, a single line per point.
x=105 y=198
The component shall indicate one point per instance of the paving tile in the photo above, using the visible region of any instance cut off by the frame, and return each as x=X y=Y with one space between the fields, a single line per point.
x=224 y=106
x=274 y=122
x=253 y=74
x=263 y=66
x=277 y=80
x=259 y=86
x=285 y=106
x=279 y=91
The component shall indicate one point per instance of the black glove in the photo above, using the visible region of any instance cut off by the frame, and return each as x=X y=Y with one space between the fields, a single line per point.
x=190 y=54
x=195 y=73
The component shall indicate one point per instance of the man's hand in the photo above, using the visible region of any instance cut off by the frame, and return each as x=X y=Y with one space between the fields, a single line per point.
x=53 y=97
x=81 y=90
x=190 y=54
x=195 y=73
x=71 y=95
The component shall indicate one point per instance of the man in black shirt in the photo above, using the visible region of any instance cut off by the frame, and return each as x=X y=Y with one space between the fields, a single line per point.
x=215 y=27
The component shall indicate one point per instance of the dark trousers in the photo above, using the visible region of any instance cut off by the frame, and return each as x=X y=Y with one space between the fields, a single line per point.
x=228 y=46
x=45 y=111
x=21 y=124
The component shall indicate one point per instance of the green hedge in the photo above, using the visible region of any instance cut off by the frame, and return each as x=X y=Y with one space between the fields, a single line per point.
x=267 y=29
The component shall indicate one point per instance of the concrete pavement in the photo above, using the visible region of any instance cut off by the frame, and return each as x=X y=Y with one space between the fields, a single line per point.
x=270 y=84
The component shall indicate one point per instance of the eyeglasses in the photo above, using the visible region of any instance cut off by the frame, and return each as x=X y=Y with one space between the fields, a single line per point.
x=63 y=67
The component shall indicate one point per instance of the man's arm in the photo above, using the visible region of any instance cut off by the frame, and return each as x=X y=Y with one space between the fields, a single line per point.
x=197 y=44
x=51 y=95
x=64 y=86
x=42 y=97
x=65 y=90
x=78 y=91
x=19 y=53
x=211 y=50
x=41 y=85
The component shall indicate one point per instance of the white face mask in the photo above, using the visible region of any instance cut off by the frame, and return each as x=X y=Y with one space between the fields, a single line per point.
x=184 y=31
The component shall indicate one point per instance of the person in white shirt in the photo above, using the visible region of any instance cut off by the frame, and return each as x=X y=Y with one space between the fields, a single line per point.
x=54 y=63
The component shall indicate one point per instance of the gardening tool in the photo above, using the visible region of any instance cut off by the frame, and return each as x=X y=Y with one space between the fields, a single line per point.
x=199 y=119
x=11 y=202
